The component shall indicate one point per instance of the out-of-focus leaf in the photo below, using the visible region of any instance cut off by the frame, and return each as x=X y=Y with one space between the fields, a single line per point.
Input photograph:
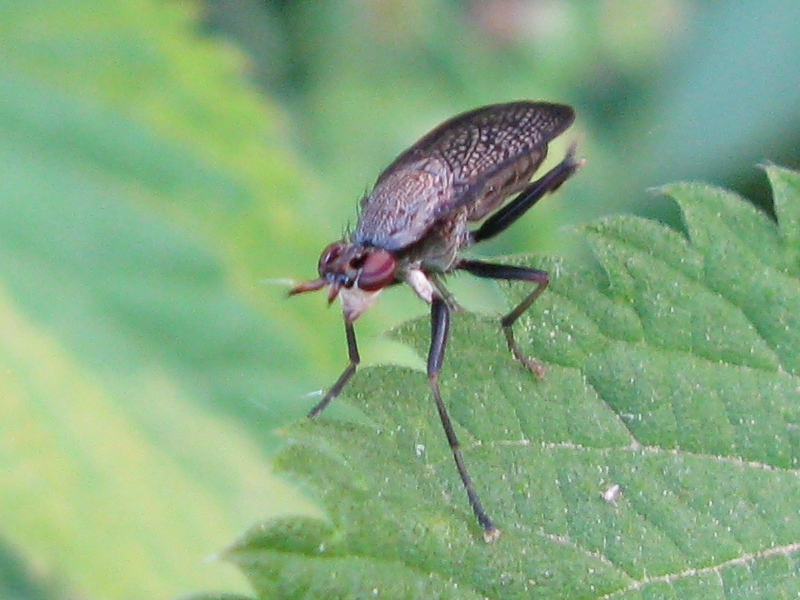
x=673 y=374
x=216 y=597
x=141 y=368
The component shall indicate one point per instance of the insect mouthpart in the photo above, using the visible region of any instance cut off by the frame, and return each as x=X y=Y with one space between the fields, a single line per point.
x=353 y=272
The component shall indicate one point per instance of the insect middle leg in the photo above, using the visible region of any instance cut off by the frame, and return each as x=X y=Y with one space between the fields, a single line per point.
x=537 y=276
x=440 y=327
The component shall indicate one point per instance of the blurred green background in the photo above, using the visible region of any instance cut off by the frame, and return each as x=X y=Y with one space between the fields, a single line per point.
x=164 y=165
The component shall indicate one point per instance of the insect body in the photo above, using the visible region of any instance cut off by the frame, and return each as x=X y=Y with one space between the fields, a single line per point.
x=414 y=224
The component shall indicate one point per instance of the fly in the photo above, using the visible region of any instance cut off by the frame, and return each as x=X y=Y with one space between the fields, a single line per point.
x=412 y=228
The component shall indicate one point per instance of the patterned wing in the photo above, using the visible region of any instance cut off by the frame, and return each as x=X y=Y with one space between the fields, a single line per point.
x=473 y=161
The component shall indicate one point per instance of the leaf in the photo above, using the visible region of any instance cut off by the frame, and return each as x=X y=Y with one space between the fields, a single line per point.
x=673 y=374
x=135 y=364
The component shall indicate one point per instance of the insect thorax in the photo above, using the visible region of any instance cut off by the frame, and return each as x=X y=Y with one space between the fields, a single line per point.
x=439 y=249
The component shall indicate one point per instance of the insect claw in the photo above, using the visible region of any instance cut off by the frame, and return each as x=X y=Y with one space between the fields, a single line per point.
x=490 y=534
x=534 y=365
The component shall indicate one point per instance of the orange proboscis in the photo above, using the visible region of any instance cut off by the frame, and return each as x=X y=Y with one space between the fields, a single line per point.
x=308 y=286
x=316 y=284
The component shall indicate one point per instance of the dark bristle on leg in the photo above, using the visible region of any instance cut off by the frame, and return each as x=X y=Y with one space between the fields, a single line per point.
x=440 y=327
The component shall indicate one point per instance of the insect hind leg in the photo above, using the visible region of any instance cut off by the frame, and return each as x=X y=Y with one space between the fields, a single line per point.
x=508 y=272
x=549 y=182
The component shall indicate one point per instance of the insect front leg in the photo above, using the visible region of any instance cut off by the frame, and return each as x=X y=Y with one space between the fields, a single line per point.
x=352 y=352
x=440 y=327
x=508 y=272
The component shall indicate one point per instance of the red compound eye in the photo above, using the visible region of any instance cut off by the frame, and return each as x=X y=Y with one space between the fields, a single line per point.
x=330 y=254
x=377 y=271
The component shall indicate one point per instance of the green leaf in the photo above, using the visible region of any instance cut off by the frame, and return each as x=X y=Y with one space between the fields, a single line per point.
x=673 y=374
x=140 y=372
